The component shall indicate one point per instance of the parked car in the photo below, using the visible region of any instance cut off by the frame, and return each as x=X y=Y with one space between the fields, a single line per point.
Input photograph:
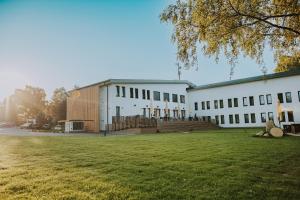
x=27 y=125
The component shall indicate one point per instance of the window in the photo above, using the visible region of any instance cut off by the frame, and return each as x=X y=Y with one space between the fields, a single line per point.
x=136 y=93
x=203 y=105
x=251 y=101
x=236 y=102
x=271 y=116
x=216 y=104
x=143 y=94
x=148 y=94
x=167 y=97
x=229 y=103
x=118 y=111
x=123 y=91
x=261 y=99
x=245 y=101
x=182 y=99
x=280 y=97
x=208 y=118
x=230 y=119
x=269 y=99
x=208 y=105
x=175 y=98
x=299 y=95
x=253 y=119
x=222 y=119
x=131 y=93
x=290 y=116
x=78 y=126
x=156 y=96
x=118 y=90
x=246 y=117
x=237 y=118
x=196 y=105
x=263 y=117
x=217 y=119
x=282 y=117
x=144 y=112
x=288 y=97
x=221 y=103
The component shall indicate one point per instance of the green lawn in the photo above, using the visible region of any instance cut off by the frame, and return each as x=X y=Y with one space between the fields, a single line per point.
x=223 y=164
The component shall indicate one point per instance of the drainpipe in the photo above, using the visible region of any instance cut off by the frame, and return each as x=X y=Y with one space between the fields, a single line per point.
x=106 y=111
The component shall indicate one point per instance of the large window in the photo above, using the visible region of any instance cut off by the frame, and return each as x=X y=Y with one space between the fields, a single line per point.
x=175 y=98
x=251 y=101
x=253 y=118
x=217 y=119
x=245 y=101
x=221 y=103
x=222 y=119
x=229 y=103
x=271 y=116
x=246 y=118
x=78 y=126
x=282 y=117
x=261 y=99
x=280 y=97
x=136 y=93
x=263 y=117
x=290 y=116
x=196 y=105
x=216 y=104
x=208 y=105
x=237 y=118
x=236 y=102
x=230 y=119
x=131 y=93
x=118 y=91
x=167 y=97
x=143 y=93
x=156 y=96
x=118 y=111
x=123 y=91
x=182 y=99
x=203 y=105
x=148 y=94
x=288 y=97
x=269 y=99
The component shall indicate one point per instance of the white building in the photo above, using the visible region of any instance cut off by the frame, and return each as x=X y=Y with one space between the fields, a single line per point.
x=246 y=102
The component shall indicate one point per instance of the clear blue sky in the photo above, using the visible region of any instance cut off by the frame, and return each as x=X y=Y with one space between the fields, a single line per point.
x=59 y=43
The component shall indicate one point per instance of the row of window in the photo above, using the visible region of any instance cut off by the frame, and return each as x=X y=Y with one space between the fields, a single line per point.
x=233 y=102
x=134 y=93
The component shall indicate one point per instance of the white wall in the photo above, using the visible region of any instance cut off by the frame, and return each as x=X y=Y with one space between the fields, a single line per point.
x=133 y=106
x=271 y=86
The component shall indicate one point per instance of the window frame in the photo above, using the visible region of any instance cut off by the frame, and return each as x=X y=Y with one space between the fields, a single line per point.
x=290 y=100
x=136 y=93
x=265 y=117
x=236 y=102
x=166 y=96
x=290 y=117
x=245 y=101
x=217 y=119
x=131 y=90
x=251 y=101
x=262 y=100
x=221 y=104
x=196 y=106
x=299 y=96
x=229 y=101
x=118 y=91
x=230 y=117
x=203 y=105
x=175 y=98
x=222 y=117
x=148 y=94
x=155 y=95
x=237 y=118
x=281 y=99
x=182 y=98
x=246 y=118
x=216 y=105
x=208 y=105
x=253 y=119
x=267 y=97
x=269 y=113
x=123 y=91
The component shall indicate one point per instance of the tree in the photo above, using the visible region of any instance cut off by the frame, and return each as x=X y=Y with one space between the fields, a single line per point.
x=234 y=27
x=287 y=63
x=58 y=104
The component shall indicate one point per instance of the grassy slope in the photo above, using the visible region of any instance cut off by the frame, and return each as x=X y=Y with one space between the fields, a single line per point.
x=225 y=164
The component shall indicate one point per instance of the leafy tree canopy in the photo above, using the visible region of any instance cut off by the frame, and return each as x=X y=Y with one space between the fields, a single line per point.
x=287 y=63
x=234 y=27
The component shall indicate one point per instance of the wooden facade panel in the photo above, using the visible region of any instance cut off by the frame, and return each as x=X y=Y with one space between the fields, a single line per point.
x=83 y=104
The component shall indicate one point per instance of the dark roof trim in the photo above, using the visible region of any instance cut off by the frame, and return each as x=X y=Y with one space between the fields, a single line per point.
x=247 y=80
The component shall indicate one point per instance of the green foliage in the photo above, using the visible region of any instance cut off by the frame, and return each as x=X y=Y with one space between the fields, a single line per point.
x=222 y=164
x=58 y=104
x=234 y=27
x=287 y=63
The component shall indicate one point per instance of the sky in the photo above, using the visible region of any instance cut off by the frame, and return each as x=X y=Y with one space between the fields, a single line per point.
x=62 y=43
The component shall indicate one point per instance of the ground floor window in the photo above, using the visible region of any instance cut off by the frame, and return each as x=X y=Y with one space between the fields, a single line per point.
x=182 y=114
x=222 y=119
x=253 y=119
x=290 y=116
x=157 y=112
x=237 y=119
x=271 y=116
x=230 y=119
x=77 y=126
x=144 y=112
x=263 y=117
x=118 y=111
x=282 y=117
x=217 y=119
x=246 y=118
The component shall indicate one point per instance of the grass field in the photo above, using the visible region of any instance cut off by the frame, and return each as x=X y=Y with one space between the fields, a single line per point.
x=223 y=164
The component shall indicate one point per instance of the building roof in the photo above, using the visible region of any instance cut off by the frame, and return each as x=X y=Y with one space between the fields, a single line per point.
x=138 y=81
x=248 y=80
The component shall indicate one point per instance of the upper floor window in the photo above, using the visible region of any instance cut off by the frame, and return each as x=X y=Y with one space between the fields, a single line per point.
x=290 y=116
x=175 y=98
x=246 y=118
x=136 y=93
x=196 y=105
x=299 y=95
x=237 y=118
x=208 y=105
x=251 y=101
x=148 y=94
x=123 y=91
x=203 y=105
x=216 y=104
x=118 y=91
x=280 y=97
x=229 y=103
x=166 y=97
x=263 y=117
x=236 y=102
x=221 y=103
x=156 y=96
x=269 y=99
x=182 y=99
x=261 y=99
x=131 y=93
x=253 y=119
x=144 y=94
x=245 y=101
x=230 y=119
x=288 y=97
